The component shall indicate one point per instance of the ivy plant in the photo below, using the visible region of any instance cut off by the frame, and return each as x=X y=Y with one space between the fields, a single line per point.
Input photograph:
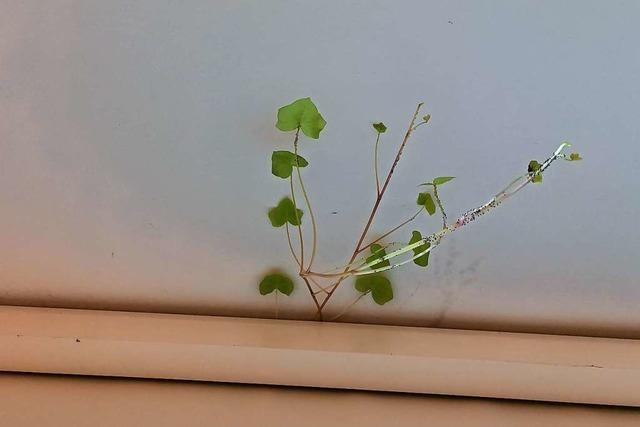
x=371 y=258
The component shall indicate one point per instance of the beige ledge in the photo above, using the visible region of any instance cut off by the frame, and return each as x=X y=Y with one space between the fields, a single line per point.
x=329 y=355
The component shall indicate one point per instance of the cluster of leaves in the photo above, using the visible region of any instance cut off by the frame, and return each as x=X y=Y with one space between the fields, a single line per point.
x=426 y=199
x=301 y=115
x=534 y=168
x=378 y=252
x=377 y=284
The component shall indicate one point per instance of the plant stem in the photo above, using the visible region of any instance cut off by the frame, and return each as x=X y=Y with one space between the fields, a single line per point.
x=293 y=253
x=386 y=182
x=295 y=207
x=375 y=165
x=376 y=205
x=314 y=229
x=394 y=229
x=435 y=238
x=444 y=214
x=313 y=295
x=322 y=288
x=468 y=217
x=299 y=226
x=344 y=310
x=419 y=124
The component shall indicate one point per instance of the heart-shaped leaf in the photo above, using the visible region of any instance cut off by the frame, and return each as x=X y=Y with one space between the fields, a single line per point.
x=276 y=282
x=426 y=118
x=283 y=162
x=422 y=260
x=380 y=127
x=426 y=200
x=377 y=252
x=574 y=157
x=301 y=114
x=285 y=212
x=534 y=169
x=378 y=285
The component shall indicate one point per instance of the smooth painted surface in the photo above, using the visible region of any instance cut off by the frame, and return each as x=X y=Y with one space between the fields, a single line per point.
x=43 y=401
x=135 y=140
x=313 y=354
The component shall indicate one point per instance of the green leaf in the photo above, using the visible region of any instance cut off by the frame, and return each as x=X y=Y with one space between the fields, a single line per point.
x=301 y=114
x=283 y=162
x=426 y=118
x=378 y=285
x=573 y=157
x=442 y=179
x=438 y=181
x=425 y=199
x=422 y=260
x=377 y=252
x=422 y=197
x=380 y=127
x=285 y=212
x=533 y=169
x=276 y=282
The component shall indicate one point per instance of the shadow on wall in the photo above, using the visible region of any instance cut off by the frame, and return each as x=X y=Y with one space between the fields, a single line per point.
x=484 y=323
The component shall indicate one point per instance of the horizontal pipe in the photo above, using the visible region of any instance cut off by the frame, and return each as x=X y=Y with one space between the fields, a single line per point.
x=332 y=355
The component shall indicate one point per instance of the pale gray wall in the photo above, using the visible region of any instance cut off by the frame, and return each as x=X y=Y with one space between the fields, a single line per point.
x=135 y=140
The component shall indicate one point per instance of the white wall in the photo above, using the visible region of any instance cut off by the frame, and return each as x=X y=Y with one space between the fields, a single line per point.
x=135 y=140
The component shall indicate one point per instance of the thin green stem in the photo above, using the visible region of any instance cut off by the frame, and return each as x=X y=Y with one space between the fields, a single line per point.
x=299 y=226
x=314 y=229
x=293 y=252
x=295 y=206
x=375 y=164
x=418 y=125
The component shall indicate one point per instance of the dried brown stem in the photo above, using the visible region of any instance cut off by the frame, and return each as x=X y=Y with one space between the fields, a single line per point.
x=376 y=205
x=313 y=295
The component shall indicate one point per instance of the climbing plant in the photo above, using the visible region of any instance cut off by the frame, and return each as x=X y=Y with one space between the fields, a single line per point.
x=370 y=258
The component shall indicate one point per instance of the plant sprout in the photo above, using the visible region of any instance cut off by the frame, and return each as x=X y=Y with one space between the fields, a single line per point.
x=369 y=261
